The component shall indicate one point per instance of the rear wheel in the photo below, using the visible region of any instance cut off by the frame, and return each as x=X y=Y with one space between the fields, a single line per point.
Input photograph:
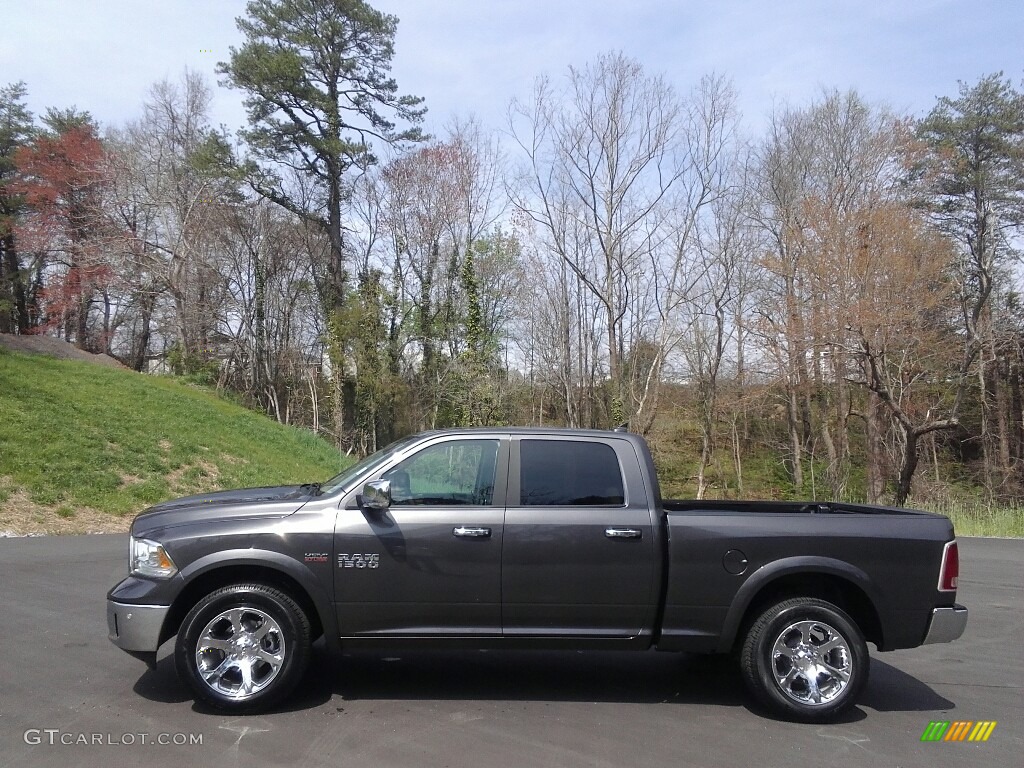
x=805 y=659
x=243 y=647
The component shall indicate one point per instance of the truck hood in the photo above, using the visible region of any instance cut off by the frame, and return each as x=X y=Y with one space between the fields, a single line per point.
x=270 y=501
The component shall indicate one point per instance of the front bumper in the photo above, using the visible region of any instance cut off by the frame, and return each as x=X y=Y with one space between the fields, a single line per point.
x=946 y=625
x=135 y=628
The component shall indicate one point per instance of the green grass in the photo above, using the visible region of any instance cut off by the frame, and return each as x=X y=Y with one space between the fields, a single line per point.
x=978 y=519
x=76 y=435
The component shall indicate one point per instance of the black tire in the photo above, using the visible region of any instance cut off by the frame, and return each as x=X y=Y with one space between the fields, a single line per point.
x=243 y=627
x=780 y=681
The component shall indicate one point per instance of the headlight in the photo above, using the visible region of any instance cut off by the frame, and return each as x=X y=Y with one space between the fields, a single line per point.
x=148 y=558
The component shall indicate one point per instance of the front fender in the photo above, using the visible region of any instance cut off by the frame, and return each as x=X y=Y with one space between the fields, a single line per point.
x=264 y=558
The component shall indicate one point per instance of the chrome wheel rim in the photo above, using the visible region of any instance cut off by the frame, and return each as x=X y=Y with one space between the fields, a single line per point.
x=240 y=652
x=812 y=663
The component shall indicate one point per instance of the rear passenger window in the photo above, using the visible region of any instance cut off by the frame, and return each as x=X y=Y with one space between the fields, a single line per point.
x=568 y=472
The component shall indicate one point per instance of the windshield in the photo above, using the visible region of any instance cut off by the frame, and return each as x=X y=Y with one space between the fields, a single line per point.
x=345 y=480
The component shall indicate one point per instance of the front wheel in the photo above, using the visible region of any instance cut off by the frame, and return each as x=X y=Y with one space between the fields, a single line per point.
x=243 y=647
x=805 y=659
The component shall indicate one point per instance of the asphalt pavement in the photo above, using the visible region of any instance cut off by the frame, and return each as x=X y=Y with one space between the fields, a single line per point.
x=69 y=697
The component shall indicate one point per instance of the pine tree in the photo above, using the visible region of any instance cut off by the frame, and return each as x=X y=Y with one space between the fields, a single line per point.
x=319 y=96
x=972 y=174
x=16 y=130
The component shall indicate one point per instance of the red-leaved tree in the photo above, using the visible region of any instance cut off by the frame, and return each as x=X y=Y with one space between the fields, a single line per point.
x=65 y=178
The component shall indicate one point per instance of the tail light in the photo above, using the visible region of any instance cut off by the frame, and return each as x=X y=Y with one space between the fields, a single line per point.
x=950 y=570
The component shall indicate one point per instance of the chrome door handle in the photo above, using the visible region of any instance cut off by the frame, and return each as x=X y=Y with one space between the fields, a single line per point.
x=622 y=533
x=473 y=533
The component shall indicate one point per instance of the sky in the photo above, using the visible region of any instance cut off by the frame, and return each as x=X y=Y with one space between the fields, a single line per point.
x=470 y=57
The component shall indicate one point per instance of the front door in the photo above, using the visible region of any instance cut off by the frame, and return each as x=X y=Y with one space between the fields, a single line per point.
x=431 y=564
x=579 y=556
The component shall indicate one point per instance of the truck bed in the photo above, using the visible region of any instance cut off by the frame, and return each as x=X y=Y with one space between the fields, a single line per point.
x=721 y=553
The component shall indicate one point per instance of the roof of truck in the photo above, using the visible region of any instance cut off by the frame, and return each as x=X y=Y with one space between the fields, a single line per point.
x=529 y=431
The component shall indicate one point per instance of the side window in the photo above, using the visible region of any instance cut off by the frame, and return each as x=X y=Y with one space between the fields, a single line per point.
x=453 y=472
x=567 y=472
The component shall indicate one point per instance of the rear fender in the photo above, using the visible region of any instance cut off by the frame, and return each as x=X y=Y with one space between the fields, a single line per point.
x=804 y=565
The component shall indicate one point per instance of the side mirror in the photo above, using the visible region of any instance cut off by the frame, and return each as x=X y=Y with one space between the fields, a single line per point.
x=376 y=495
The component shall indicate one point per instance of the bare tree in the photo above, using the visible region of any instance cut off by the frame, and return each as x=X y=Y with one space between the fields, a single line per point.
x=902 y=346
x=168 y=201
x=617 y=169
x=725 y=246
x=825 y=161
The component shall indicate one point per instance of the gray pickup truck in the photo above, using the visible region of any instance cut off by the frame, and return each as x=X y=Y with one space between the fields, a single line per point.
x=530 y=538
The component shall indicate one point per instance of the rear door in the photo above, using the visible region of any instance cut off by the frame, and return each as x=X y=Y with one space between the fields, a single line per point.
x=430 y=566
x=578 y=558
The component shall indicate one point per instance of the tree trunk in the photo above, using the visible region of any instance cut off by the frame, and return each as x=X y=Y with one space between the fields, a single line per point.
x=1003 y=417
x=338 y=406
x=140 y=347
x=795 y=443
x=82 y=314
x=344 y=386
x=985 y=402
x=705 y=459
x=7 y=308
x=707 y=440
x=741 y=371
x=1016 y=411
x=874 y=428
x=11 y=270
x=737 y=455
x=909 y=466
x=798 y=417
x=618 y=411
x=105 y=341
x=840 y=471
x=259 y=363
x=425 y=325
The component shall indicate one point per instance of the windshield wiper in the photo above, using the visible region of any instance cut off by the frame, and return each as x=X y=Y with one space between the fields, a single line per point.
x=313 y=489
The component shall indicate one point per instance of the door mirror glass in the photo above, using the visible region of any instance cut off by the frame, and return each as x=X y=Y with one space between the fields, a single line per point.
x=377 y=495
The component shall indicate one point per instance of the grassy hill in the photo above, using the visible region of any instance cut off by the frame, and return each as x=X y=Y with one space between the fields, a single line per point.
x=85 y=447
